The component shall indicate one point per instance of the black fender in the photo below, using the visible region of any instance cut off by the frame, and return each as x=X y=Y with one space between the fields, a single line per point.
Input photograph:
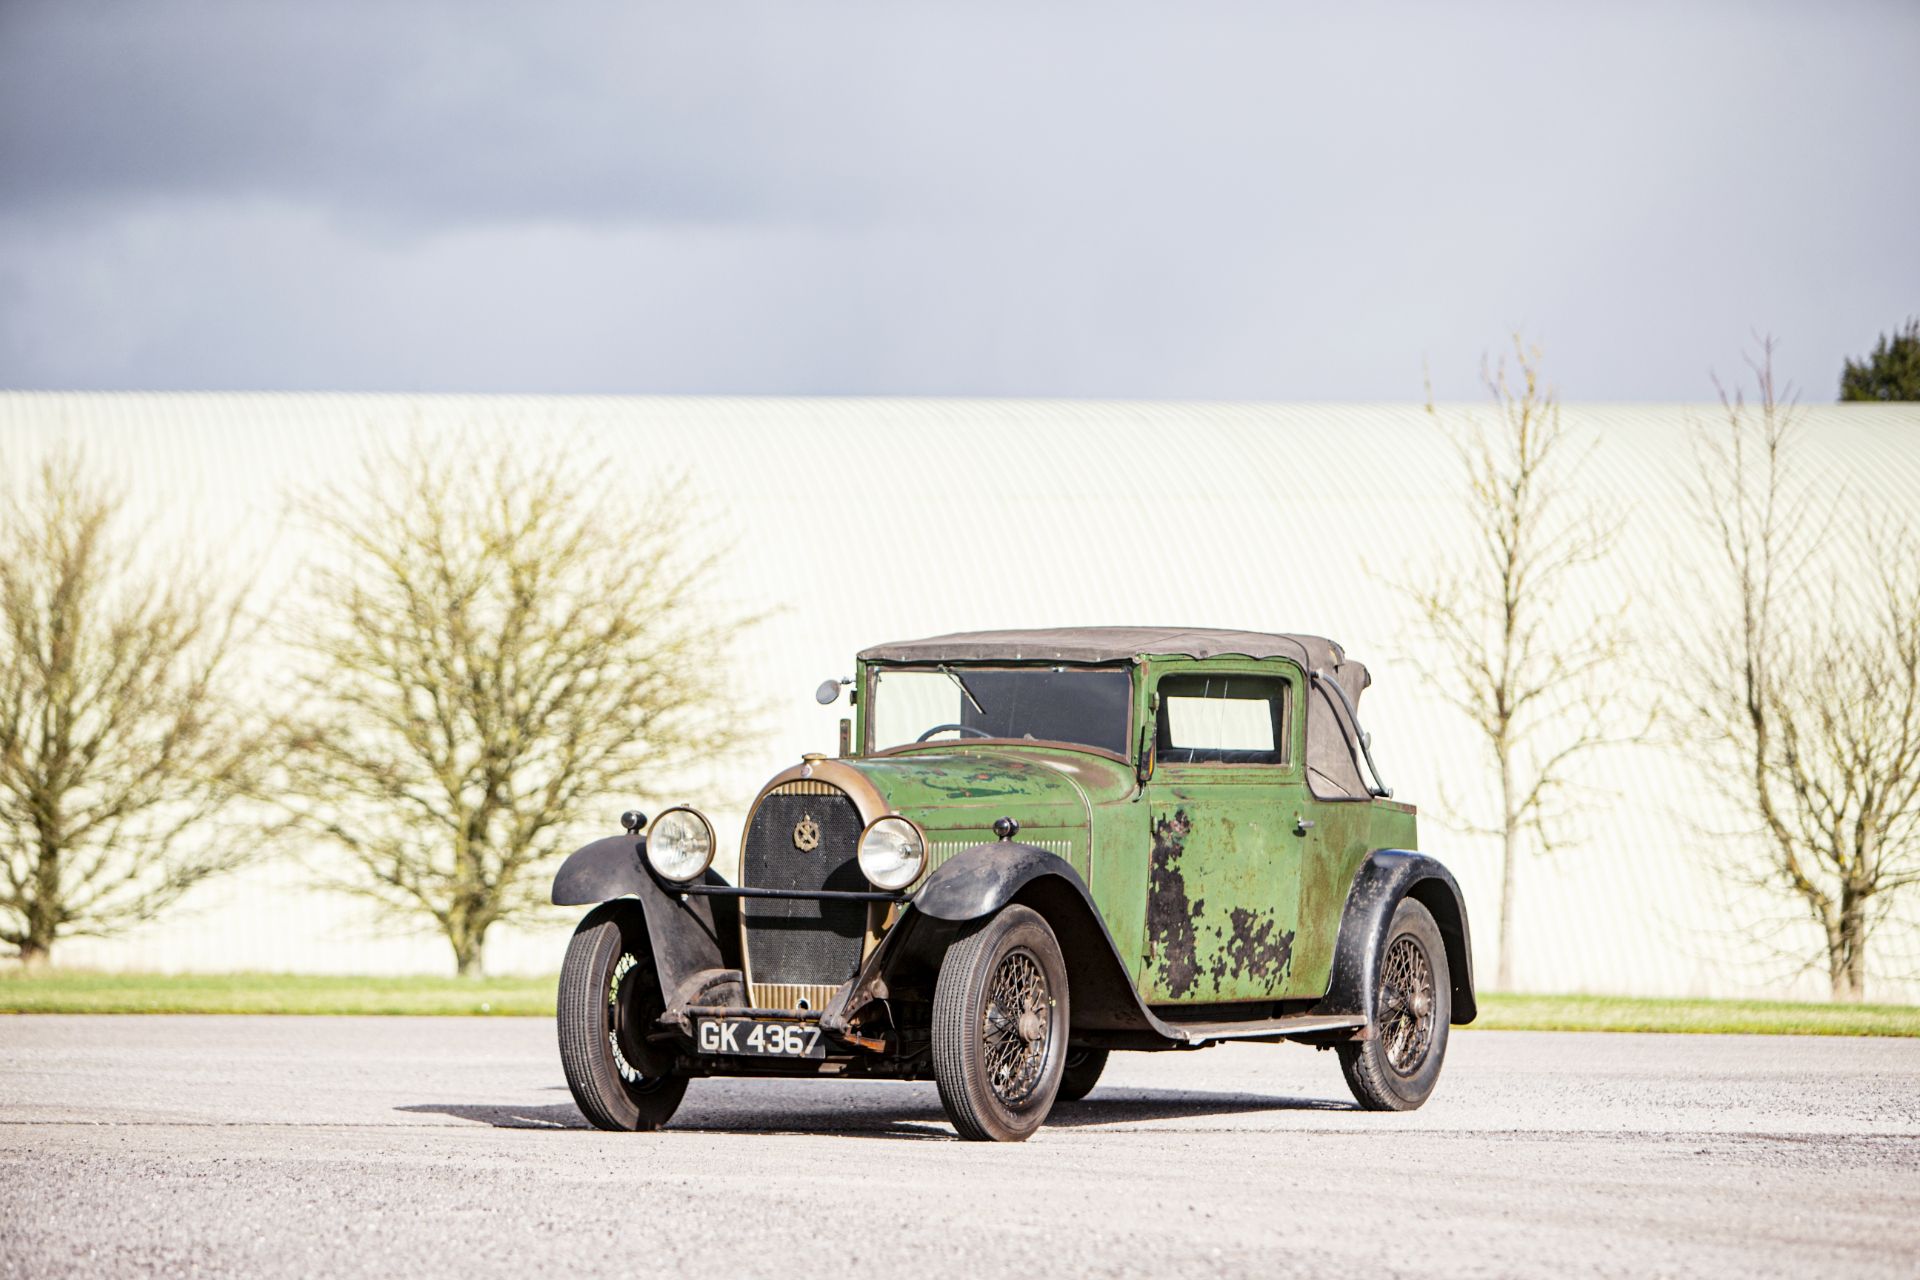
x=1386 y=877
x=687 y=932
x=977 y=882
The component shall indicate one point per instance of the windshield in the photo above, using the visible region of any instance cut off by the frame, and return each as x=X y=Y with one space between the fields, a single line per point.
x=1085 y=705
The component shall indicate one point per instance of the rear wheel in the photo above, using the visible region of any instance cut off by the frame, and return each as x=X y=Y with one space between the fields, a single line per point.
x=609 y=1001
x=1000 y=1027
x=1082 y=1073
x=1396 y=1067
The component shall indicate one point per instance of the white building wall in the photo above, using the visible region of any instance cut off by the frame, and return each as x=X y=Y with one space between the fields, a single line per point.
x=855 y=521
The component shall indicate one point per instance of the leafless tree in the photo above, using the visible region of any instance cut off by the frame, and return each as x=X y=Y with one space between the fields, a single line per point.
x=122 y=752
x=497 y=643
x=1806 y=685
x=1511 y=654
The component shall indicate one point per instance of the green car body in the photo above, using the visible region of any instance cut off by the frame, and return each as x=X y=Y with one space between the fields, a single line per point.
x=1218 y=883
x=1197 y=823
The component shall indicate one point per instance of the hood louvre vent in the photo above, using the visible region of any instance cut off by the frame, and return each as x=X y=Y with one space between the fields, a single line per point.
x=938 y=851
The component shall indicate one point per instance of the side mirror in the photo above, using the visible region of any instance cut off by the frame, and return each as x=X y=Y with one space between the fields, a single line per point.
x=828 y=693
x=1143 y=763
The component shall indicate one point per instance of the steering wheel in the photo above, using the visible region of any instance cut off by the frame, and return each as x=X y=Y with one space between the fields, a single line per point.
x=957 y=728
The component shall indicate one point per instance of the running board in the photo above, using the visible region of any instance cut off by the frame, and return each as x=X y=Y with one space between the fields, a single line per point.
x=1198 y=1033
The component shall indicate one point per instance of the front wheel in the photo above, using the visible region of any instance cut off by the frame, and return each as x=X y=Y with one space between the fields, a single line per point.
x=1397 y=1065
x=1000 y=1023
x=609 y=1001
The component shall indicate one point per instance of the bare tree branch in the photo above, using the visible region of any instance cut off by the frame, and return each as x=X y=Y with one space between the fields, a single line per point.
x=1803 y=690
x=123 y=751
x=496 y=642
x=1528 y=676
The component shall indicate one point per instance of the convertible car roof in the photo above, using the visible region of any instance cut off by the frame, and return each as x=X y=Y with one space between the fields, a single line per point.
x=1333 y=757
x=1109 y=644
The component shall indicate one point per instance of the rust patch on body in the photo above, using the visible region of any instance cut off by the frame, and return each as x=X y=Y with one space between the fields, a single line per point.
x=1258 y=947
x=1169 y=915
x=1217 y=971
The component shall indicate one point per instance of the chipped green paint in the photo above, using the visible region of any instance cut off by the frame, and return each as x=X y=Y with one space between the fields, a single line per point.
x=1219 y=883
x=1343 y=834
x=1225 y=861
x=956 y=792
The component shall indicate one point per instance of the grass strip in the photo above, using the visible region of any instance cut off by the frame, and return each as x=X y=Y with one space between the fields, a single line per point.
x=74 y=991
x=62 y=991
x=1713 y=1017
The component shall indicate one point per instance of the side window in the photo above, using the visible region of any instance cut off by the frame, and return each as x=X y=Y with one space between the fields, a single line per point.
x=1222 y=719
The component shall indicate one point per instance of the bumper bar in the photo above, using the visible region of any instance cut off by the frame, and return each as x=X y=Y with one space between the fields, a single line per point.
x=729 y=1011
x=817 y=895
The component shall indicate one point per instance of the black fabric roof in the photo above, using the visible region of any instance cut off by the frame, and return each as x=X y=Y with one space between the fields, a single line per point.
x=1108 y=644
x=1333 y=737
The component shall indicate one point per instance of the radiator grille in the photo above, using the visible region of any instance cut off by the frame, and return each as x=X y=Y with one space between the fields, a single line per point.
x=796 y=942
x=779 y=995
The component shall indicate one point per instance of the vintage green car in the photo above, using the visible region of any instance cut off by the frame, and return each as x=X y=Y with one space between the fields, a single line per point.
x=1034 y=847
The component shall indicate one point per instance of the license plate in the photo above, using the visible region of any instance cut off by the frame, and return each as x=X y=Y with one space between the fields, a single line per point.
x=753 y=1038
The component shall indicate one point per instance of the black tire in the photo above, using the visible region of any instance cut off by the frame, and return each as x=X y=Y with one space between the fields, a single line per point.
x=1000 y=1019
x=1081 y=1074
x=1396 y=1067
x=609 y=999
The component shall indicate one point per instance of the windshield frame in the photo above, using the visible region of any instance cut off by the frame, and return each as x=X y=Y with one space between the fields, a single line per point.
x=866 y=684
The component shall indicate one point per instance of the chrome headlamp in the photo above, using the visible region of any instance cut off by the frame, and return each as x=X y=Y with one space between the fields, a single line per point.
x=680 y=845
x=893 y=853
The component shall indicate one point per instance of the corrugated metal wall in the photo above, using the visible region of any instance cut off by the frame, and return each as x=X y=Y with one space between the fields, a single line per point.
x=861 y=520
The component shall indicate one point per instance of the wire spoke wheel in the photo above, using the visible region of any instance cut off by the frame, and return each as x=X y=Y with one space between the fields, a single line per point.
x=1394 y=1066
x=1001 y=1023
x=1016 y=1026
x=1406 y=1004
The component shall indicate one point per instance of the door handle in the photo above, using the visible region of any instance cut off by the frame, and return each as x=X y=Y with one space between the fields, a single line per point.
x=1301 y=826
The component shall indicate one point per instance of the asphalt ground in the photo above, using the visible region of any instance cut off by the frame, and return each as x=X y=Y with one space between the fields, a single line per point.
x=449 y=1146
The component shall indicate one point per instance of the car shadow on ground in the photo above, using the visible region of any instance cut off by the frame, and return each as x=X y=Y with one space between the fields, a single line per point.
x=561 y=1116
x=1130 y=1106
x=855 y=1116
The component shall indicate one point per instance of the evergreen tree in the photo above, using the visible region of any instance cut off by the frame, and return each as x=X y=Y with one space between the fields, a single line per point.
x=1892 y=372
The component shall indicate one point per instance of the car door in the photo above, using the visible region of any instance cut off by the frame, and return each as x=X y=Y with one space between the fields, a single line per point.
x=1226 y=804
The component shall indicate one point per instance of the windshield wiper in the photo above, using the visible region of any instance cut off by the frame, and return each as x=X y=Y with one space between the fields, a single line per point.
x=954 y=676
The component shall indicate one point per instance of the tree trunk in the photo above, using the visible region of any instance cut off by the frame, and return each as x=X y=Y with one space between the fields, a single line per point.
x=42 y=910
x=1847 y=950
x=468 y=948
x=1509 y=854
x=36 y=949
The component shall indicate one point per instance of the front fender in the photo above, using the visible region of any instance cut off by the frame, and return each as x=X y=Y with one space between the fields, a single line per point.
x=688 y=932
x=977 y=882
x=1386 y=877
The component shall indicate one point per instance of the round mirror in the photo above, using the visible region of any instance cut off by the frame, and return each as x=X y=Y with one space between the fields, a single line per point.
x=828 y=693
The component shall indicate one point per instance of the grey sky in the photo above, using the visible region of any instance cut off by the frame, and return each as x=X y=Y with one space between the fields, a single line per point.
x=1167 y=200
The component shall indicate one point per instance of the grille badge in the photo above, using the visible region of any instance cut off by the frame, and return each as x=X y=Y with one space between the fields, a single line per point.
x=806 y=834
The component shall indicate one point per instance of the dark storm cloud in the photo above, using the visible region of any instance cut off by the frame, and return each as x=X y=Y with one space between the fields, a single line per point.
x=1072 y=199
x=418 y=112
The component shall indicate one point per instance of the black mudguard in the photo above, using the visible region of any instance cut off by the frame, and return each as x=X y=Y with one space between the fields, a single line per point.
x=1386 y=877
x=688 y=932
x=977 y=882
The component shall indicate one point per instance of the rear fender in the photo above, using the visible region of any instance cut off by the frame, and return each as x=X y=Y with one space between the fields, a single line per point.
x=688 y=933
x=1384 y=879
